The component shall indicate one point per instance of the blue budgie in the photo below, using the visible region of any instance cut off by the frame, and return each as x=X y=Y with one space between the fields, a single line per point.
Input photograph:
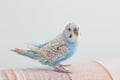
x=52 y=53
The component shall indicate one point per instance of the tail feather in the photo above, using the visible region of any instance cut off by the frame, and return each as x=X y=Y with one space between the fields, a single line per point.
x=19 y=51
x=27 y=53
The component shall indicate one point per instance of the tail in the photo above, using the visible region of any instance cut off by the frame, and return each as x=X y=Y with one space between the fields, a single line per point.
x=28 y=53
x=19 y=51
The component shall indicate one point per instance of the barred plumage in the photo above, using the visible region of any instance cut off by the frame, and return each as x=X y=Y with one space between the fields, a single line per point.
x=54 y=50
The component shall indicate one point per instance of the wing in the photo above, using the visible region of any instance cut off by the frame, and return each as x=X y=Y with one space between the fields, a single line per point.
x=53 y=51
x=35 y=46
x=42 y=45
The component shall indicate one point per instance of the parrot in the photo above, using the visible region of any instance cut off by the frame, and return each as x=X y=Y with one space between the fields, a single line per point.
x=55 y=51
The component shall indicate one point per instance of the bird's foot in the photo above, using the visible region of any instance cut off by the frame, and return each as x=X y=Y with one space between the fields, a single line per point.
x=61 y=68
x=67 y=65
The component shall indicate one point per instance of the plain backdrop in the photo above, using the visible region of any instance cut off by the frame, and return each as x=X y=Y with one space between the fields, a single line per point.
x=23 y=21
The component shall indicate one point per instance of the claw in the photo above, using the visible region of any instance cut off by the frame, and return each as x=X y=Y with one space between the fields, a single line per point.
x=61 y=65
x=60 y=68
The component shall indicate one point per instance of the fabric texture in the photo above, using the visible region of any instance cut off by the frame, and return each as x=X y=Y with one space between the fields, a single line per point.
x=32 y=74
x=88 y=71
x=93 y=70
x=112 y=66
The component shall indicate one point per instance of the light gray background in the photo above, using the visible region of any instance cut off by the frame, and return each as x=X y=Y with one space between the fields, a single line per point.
x=23 y=21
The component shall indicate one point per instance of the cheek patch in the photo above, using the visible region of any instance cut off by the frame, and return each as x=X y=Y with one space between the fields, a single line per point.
x=70 y=36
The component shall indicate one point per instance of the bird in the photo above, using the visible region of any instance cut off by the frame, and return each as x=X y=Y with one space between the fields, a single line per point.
x=55 y=51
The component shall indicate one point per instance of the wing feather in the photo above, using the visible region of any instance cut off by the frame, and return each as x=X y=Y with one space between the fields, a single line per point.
x=35 y=46
x=32 y=46
x=53 y=51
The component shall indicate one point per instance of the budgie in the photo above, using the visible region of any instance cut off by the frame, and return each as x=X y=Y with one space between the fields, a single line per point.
x=52 y=53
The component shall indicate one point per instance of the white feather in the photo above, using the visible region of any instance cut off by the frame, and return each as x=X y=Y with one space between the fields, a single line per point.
x=32 y=46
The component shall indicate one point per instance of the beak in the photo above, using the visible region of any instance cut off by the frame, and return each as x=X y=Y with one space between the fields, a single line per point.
x=76 y=33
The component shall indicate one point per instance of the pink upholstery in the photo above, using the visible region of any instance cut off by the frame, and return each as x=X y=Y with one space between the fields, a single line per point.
x=32 y=74
x=94 y=70
x=89 y=71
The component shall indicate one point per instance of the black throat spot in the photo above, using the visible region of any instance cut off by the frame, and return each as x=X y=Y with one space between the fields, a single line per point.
x=70 y=36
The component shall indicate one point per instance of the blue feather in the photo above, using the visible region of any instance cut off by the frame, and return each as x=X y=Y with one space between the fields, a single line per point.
x=72 y=47
x=71 y=50
x=31 y=54
x=42 y=45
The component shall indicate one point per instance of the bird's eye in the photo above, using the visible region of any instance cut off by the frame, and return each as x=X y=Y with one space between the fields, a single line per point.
x=57 y=48
x=69 y=29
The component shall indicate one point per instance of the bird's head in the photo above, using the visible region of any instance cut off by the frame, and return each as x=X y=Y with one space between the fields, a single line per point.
x=71 y=32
